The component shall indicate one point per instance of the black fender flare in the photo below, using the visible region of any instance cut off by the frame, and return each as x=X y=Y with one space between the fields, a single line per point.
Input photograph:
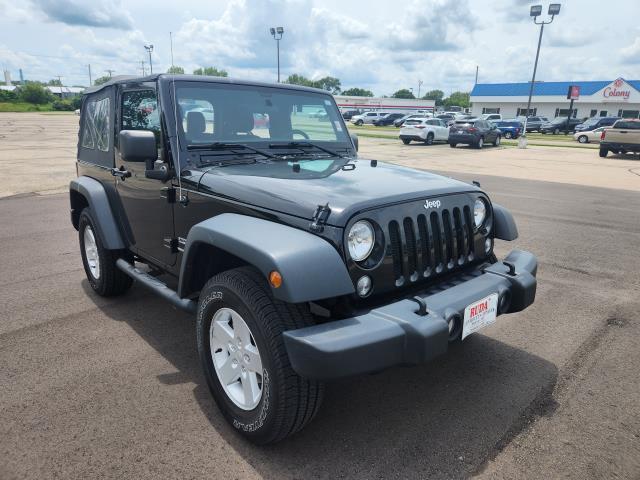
x=504 y=224
x=96 y=197
x=311 y=268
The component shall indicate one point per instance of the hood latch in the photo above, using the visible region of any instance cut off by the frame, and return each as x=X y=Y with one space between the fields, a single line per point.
x=320 y=218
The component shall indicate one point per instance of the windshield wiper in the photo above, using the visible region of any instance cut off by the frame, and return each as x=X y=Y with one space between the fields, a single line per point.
x=302 y=145
x=228 y=146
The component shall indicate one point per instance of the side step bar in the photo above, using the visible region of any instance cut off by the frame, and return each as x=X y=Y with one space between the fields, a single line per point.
x=157 y=286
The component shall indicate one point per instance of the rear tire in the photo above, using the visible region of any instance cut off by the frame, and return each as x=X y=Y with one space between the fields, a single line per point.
x=480 y=143
x=287 y=402
x=429 y=140
x=406 y=141
x=453 y=145
x=103 y=275
x=496 y=142
x=603 y=152
x=507 y=135
x=556 y=131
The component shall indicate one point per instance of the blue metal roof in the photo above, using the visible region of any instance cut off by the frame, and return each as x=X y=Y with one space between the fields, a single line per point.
x=541 y=88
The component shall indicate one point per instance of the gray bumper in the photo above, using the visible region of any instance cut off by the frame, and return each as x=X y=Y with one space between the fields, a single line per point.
x=399 y=333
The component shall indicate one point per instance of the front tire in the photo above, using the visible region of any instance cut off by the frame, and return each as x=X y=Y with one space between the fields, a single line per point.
x=496 y=142
x=583 y=139
x=480 y=143
x=556 y=131
x=103 y=275
x=507 y=135
x=453 y=145
x=265 y=401
x=359 y=123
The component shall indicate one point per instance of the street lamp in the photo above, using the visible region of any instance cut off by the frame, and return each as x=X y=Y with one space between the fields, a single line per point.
x=277 y=36
x=535 y=12
x=149 y=48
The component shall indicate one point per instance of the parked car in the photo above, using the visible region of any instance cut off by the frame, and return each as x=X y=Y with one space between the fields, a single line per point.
x=347 y=114
x=492 y=117
x=388 y=119
x=446 y=118
x=559 y=125
x=587 y=136
x=400 y=121
x=474 y=132
x=533 y=123
x=622 y=137
x=367 y=118
x=596 y=122
x=510 y=128
x=297 y=271
x=425 y=130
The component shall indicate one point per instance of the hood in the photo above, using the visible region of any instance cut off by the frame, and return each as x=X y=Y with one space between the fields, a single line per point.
x=349 y=186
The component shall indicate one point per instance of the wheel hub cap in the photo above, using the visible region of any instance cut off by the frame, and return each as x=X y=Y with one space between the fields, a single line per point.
x=91 y=252
x=236 y=358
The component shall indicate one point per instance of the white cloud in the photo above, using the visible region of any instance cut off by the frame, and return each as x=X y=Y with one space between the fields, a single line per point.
x=97 y=13
x=631 y=53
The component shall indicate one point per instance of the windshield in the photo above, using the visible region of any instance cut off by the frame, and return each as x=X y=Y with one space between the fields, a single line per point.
x=592 y=121
x=558 y=120
x=221 y=113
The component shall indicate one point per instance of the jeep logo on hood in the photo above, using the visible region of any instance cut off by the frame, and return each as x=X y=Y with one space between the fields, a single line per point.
x=432 y=204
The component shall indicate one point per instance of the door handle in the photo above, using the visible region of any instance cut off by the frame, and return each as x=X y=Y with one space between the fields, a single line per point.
x=120 y=172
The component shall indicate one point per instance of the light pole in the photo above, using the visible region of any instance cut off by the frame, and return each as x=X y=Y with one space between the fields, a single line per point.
x=149 y=48
x=420 y=82
x=277 y=36
x=535 y=12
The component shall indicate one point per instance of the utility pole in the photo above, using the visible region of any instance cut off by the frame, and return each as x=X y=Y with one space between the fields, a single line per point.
x=149 y=48
x=90 y=81
x=477 y=66
x=60 y=81
x=420 y=82
x=142 y=65
x=109 y=71
x=171 y=45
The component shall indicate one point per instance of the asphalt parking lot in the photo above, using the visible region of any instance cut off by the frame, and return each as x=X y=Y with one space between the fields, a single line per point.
x=111 y=388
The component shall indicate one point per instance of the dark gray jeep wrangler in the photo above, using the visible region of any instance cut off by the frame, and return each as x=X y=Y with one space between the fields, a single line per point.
x=246 y=204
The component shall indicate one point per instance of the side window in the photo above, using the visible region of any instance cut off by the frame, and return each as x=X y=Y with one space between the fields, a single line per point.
x=140 y=111
x=95 y=131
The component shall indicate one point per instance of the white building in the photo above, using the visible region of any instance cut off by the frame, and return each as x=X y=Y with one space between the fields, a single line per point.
x=65 y=92
x=617 y=98
x=391 y=105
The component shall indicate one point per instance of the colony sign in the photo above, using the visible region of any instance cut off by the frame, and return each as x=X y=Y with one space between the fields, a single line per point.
x=619 y=90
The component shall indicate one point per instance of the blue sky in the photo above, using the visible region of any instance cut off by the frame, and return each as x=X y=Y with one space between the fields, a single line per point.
x=380 y=45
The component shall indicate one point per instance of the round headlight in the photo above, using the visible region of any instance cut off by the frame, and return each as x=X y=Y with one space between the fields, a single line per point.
x=360 y=240
x=479 y=212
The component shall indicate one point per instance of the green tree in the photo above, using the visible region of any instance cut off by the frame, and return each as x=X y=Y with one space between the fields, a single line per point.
x=211 y=71
x=101 y=80
x=296 y=79
x=54 y=82
x=460 y=99
x=330 y=84
x=175 y=69
x=403 y=93
x=35 y=93
x=436 y=95
x=357 y=92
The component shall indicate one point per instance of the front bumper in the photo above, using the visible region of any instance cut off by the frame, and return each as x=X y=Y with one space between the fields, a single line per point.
x=399 y=333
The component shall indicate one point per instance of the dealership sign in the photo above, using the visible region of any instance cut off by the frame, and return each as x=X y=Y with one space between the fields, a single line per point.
x=618 y=91
x=574 y=92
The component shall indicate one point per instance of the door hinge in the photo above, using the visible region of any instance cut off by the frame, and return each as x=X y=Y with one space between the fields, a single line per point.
x=320 y=218
x=176 y=245
x=169 y=193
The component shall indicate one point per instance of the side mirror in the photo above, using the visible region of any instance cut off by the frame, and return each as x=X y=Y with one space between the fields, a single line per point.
x=354 y=139
x=138 y=146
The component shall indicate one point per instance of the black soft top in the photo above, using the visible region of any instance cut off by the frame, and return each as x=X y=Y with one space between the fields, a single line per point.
x=167 y=78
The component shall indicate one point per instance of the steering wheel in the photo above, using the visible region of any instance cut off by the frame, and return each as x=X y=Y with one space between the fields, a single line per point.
x=295 y=131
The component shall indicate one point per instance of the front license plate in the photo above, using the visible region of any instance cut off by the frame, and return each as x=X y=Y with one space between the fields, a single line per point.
x=480 y=314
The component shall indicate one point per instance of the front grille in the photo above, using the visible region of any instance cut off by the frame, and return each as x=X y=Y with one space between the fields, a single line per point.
x=431 y=243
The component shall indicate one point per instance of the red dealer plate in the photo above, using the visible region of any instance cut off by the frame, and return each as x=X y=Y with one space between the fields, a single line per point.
x=480 y=314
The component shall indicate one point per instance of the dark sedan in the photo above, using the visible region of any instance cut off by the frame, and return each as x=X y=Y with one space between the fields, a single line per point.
x=559 y=125
x=474 y=132
x=388 y=119
x=510 y=128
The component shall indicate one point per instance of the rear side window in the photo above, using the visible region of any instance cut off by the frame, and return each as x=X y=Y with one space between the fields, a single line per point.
x=627 y=125
x=96 y=127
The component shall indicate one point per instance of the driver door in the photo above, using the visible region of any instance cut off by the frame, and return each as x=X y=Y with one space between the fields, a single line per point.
x=144 y=200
